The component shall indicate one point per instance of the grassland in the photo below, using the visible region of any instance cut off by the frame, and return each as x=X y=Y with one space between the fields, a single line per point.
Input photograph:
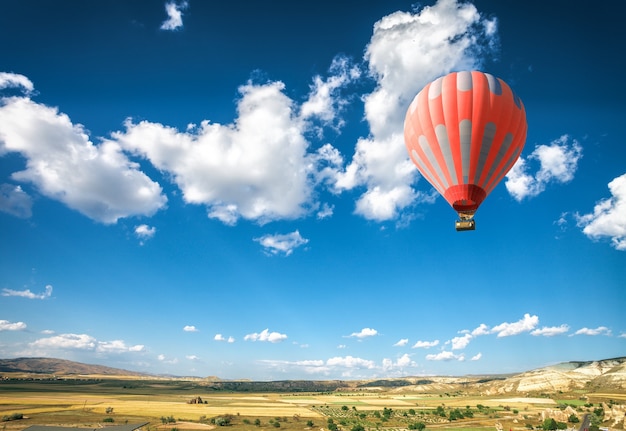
x=165 y=405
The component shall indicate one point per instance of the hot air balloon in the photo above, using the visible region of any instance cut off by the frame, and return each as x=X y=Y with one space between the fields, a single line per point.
x=464 y=131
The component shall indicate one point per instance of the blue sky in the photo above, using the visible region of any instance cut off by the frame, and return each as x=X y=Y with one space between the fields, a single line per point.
x=222 y=188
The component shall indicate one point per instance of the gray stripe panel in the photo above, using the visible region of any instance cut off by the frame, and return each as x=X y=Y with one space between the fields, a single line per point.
x=433 y=161
x=506 y=143
x=426 y=172
x=444 y=145
x=465 y=135
x=485 y=147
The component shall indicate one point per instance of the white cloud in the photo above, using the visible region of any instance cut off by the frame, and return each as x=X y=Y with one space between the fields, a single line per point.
x=28 y=294
x=15 y=80
x=476 y=357
x=83 y=342
x=445 y=356
x=482 y=329
x=459 y=343
x=165 y=360
x=190 y=328
x=425 y=344
x=14 y=201
x=406 y=51
x=324 y=101
x=550 y=331
x=118 y=346
x=144 y=232
x=175 y=15
x=282 y=243
x=526 y=324
x=609 y=216
x=257 y=168
x=220 y=337
x=266 y=335
x=67 y=342
x=558 y=162
x=402 y=342
x=192 y=357
x=105 y=185
x=404 y=361
x=5 y=325
x=350 y=362
x=600 y=330
x=364 y=333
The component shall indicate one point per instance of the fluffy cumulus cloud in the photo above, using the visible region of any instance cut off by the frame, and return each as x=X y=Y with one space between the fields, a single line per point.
x=608 y=219
x=15 y=80
x=5 y=325
x=600 y=330
x=282 y=243
x=266 y=335
x=526 y=324
x=350 y=362
x=47 y=293
x=104 y=184
x=401 y=343
x=257 y=168
x=459 y=343
x=190 y=328
x=118 y=346
x=144 y=232
x=406 y=51
x=550 y=331
x=425 y=344
x=400 y=364
x=364 y=333
x=82 y=342
x=174 y=12
x=445 y=355
x=220 y=337
x=557 y=162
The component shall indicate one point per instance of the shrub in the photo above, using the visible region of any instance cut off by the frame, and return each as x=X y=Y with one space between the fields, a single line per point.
x=109 y=419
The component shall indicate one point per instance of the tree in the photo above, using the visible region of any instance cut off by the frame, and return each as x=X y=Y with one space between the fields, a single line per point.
x=358 y=427
x=419 y=426
x=309 y=423
x=573 y=418
x=549 y=424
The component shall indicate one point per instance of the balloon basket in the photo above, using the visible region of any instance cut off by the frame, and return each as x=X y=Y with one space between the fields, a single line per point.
x=463 y=225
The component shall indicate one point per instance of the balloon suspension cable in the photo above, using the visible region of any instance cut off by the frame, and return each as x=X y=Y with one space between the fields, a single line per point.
x=466 y=221
x=466 y=215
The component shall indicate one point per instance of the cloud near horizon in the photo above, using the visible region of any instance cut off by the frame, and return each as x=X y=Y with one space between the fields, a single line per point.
x=266 y=335
x=81 y=342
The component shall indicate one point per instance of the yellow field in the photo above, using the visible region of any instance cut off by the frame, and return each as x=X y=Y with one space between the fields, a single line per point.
x=86 y=405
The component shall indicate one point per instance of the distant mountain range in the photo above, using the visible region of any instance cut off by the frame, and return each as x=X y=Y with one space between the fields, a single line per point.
x=588 y=375
x=58 y=367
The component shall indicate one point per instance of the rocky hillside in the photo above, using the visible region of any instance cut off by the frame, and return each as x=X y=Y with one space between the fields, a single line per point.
x=590 y=375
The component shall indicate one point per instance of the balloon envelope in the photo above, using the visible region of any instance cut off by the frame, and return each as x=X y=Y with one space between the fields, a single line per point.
x=464 y=132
